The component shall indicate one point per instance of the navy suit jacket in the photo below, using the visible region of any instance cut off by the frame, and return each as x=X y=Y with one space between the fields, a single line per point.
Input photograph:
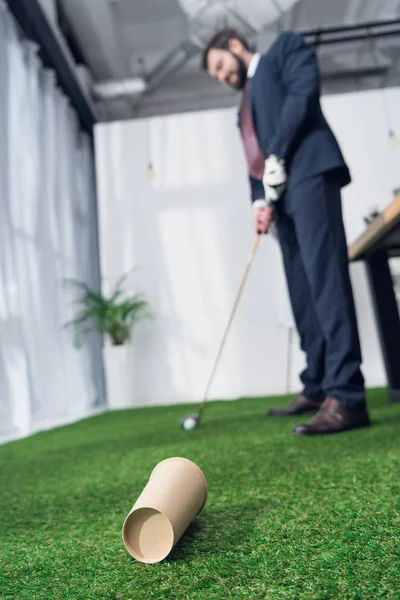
x=284 y=97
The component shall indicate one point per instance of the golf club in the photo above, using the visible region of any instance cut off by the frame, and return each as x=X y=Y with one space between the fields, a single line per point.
x=192 y=421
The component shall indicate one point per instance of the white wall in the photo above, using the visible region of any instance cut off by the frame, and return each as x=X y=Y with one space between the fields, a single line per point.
x=188 y=232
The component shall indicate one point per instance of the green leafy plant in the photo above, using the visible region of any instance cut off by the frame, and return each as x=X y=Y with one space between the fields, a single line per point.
x=113 y=316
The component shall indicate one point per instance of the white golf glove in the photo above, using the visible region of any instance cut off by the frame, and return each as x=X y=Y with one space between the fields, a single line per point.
x=274 y=179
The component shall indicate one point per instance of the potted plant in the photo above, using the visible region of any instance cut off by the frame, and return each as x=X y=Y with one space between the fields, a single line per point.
x=115 y=317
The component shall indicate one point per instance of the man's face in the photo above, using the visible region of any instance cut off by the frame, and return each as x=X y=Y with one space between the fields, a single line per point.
x=228 y=68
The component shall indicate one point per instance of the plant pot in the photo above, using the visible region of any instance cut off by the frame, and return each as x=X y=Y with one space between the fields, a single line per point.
x=119 y=375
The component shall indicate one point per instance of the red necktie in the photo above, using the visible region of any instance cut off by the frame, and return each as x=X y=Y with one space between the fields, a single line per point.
x=255 y=157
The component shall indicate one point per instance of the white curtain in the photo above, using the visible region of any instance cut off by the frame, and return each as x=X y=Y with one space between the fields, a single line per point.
x=47 y=234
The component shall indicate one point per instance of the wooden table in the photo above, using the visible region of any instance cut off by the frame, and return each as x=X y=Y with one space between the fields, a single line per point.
x=379 y=242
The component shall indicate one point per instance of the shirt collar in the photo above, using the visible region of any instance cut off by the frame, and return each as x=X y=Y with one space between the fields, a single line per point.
x=253 y=64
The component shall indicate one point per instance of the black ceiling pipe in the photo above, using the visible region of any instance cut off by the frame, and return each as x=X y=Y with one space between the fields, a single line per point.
x=354 y=38
x=35 y=26
x=348 y=33
x=353 y=73
x=346 y=28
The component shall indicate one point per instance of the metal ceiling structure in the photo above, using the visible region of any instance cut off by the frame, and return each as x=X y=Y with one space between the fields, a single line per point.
x=139 y=58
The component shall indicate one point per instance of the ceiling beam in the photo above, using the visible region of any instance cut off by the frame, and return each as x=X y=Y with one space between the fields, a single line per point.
x=93 y=24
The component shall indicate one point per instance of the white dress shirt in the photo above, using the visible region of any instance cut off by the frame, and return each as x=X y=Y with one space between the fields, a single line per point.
x=253 y=65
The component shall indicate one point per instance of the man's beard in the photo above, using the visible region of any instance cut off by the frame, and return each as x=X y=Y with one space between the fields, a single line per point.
x=241 y=74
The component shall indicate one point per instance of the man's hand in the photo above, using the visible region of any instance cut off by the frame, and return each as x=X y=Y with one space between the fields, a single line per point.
x=274 y=179
x=262 y=218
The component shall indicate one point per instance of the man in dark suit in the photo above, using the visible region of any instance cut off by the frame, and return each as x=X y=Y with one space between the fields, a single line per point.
x=296 y=172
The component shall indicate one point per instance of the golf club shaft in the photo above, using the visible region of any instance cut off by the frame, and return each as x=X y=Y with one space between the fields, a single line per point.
x=246 y=272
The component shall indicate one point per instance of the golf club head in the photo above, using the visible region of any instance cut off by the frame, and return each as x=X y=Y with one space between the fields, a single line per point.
x=190 y=422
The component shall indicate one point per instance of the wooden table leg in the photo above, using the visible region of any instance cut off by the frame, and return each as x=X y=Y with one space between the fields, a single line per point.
x=387 y=317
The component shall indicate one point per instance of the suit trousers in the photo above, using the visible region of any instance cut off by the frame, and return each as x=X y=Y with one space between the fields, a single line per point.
x=311 y=234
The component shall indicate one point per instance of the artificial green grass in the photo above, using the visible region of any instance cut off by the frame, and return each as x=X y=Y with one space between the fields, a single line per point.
x=286 y=517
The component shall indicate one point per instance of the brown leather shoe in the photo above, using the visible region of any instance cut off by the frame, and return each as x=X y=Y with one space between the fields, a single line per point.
x=300 y=405
x=332 y=417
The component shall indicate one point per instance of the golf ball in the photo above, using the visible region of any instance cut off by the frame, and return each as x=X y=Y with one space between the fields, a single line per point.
x=189 y=423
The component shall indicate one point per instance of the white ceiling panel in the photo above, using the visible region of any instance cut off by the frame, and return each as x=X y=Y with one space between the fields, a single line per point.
x=135 y=11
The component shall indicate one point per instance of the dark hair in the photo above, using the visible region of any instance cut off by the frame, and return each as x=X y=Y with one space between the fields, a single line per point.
x=220 y=40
